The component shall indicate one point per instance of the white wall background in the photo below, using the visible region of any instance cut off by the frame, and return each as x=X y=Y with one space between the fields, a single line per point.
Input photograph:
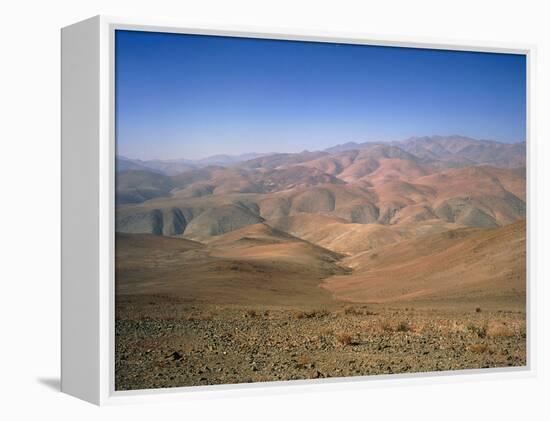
x=29 y=206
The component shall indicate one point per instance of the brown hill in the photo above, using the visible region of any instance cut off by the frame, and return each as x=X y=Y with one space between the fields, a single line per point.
x=221 y=219
x=254 y=266
x=333 y=164
x=345 y=201
x=219 y=181
x=135 y=186
x=476 y=265
x=348 y=238
x=282 y=159
x=474 y=196
x=262 y=242
x=337 y=234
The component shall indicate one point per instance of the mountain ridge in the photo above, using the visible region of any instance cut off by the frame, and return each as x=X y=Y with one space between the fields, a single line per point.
x=173 y=166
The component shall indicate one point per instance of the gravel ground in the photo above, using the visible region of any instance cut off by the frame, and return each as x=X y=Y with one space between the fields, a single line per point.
x=173 y=344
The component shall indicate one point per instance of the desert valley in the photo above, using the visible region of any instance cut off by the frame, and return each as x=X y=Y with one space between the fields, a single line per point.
x=361 y=259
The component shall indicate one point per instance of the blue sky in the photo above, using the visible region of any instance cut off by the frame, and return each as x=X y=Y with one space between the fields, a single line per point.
x=189 y=96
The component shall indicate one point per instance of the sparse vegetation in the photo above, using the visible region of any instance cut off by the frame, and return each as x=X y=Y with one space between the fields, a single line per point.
x=478 y=348
x=318 y=313
x=204 y=317
x=285 y=347
x=403 y=326
x=354 y=311
x=327 y=331
x=344 y=338
x=480 y=331
x=386 y=326
x=499 y=330
x=299 y=314
x=304 y=361
x=250 y=313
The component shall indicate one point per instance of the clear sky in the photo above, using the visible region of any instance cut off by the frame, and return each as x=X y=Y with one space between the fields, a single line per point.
x=189 y=96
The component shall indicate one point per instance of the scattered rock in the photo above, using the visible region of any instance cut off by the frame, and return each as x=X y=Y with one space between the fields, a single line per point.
x=231 y=349
x=175 y=356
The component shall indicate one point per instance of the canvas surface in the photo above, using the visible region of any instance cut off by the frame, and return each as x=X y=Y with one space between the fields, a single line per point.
x=284 y=210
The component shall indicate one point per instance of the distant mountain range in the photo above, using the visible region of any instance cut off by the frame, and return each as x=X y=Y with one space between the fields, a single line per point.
x=176 y=166
x=453 y=150
x=456 y=149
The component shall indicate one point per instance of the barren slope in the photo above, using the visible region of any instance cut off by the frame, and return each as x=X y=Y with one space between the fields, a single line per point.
x=485 y=265
x=337 y=234
x=255 y=265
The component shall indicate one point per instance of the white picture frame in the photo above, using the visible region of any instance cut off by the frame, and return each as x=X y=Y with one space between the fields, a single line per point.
x=88 y=159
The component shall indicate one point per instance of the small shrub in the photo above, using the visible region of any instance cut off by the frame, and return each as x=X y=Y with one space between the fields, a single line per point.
x=320 y=313
x=403 y=327
x=386 y=326
x=326 y=331
x=303 y=361
x=344 y=338
x=478 y=309
x=206 y=317
x=478 y=348
x=298 y=314
x=250 y=313
x=353 y=311
x=480 y=331
x=499 y=331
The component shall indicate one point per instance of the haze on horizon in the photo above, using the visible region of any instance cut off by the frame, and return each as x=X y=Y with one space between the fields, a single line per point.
x=191 y=96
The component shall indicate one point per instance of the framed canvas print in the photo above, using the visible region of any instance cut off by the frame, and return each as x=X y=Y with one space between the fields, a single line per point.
x=244 y=210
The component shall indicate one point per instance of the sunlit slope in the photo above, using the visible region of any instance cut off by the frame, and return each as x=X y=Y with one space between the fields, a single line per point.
x=457 y=265
x=256 y=265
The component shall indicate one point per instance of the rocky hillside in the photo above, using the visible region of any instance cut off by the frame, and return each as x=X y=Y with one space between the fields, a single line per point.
x=428 y=181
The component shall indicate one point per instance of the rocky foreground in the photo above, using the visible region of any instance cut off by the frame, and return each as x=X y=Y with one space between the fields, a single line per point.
x=177 y=344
